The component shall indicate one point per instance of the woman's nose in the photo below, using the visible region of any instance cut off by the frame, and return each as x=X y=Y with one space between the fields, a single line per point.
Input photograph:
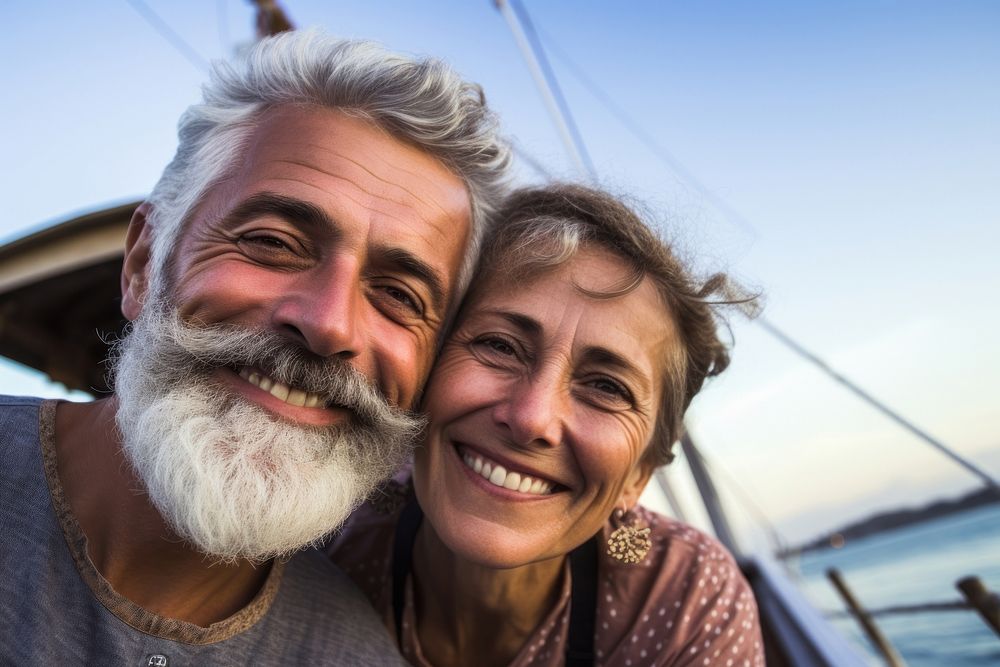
x=535 y=411
x=324 y=313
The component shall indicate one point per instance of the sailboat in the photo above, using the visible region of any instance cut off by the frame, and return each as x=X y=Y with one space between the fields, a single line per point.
x=59 y=286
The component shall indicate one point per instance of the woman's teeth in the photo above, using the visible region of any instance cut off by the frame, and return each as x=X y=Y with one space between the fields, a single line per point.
x=282 y=391
x=497 y=475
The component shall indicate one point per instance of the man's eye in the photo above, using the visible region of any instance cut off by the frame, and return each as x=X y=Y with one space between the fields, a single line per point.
x=275 y=249
x=405 y=298
x=268 y=244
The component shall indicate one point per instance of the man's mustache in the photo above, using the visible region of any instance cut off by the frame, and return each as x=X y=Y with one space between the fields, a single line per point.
x=203 y=348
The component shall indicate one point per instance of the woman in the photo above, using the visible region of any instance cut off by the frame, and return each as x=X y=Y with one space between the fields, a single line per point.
x=560 y=389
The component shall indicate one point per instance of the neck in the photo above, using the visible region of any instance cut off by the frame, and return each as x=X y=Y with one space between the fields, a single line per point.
x=127 y=539
x=466 y=609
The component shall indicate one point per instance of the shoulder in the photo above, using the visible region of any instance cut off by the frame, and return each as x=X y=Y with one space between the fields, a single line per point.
x=21 y=431
x=679 y=546
x=320 y=612
x=19 y=412
x=687 y=599
x=19 y=401
x=312 y=581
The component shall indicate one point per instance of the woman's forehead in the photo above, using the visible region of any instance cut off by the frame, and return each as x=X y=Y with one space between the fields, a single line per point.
x=596 y=294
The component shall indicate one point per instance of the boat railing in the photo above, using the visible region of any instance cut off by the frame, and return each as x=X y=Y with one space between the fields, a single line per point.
x=795 y=632
x=977 y=598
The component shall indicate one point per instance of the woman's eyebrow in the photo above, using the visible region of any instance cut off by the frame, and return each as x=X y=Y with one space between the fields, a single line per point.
x=528 y=325
x=603 y=356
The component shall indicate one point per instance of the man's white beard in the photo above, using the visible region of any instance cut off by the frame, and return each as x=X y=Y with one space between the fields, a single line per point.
x=225 y=474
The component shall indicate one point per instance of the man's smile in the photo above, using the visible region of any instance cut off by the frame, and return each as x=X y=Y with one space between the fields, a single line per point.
x=283 y=401
x=290 y=395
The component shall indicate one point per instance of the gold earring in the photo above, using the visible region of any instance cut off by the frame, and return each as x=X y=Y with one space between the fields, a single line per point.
x=629 y=542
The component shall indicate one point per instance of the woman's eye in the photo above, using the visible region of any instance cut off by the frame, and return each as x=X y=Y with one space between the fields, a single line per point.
x=612 y=389
x=497 y=347
x=500 y=346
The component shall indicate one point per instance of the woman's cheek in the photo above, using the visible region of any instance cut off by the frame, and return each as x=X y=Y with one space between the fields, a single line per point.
x=612 y=446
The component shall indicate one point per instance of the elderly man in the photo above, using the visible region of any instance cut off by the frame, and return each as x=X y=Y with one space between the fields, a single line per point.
x=287 y=281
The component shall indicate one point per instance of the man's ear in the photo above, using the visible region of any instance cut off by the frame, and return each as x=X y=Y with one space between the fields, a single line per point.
x=135 y=266
x=636 y=482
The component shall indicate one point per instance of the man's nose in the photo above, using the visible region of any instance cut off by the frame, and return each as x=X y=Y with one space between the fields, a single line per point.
x=324 y=310
x=535 y=411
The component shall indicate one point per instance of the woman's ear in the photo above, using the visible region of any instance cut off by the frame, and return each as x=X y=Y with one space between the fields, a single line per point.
x=636 y=482
x=135 y=265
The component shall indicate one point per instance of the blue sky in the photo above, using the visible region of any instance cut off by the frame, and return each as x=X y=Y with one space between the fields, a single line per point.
x=858 y=141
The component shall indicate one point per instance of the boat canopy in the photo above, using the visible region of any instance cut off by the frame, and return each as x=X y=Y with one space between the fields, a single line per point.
x=60 y=301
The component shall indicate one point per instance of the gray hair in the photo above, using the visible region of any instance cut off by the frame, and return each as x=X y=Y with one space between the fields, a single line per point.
x=422 y=102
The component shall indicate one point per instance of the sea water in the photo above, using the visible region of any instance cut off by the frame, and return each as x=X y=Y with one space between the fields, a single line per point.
x=913 y=565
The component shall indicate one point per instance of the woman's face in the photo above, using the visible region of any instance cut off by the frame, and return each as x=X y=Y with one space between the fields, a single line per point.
x=541 y=406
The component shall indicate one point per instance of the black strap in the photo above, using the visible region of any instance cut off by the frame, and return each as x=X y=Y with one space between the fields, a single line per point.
x=583 y=605
x=583 y=598
x=402 y=559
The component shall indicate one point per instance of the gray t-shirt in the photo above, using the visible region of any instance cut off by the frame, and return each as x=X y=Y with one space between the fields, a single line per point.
x=57 y=609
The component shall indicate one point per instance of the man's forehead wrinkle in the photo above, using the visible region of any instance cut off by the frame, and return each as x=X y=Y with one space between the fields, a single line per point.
x=442 y=230
x=417 y=175
x=392 y=184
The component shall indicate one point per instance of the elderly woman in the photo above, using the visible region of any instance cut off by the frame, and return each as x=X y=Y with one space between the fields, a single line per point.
x=560 y=389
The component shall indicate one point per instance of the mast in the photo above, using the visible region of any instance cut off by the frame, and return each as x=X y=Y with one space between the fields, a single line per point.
x=534 y=57
x=271 y=18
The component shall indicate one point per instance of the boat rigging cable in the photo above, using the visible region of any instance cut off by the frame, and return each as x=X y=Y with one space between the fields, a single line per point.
x=672 y=163
x=169 y=34
x=534 y=55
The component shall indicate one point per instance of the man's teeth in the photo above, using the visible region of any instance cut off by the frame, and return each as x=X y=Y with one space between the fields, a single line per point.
x=280 y=390
x=497 y=475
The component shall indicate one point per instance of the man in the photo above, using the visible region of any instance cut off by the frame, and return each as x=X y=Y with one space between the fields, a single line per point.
x=287 y=281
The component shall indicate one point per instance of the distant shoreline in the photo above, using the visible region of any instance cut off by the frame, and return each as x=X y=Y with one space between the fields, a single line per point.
x=887 y=521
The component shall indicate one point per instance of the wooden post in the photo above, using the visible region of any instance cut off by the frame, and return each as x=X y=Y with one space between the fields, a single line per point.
x=882 y=645
x=986 y=602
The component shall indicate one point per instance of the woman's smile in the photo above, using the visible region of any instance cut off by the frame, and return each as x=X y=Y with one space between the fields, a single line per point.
x=504 y=476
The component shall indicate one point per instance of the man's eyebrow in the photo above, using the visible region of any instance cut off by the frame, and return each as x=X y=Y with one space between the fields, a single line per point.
x=407 y=262
x=300 y=212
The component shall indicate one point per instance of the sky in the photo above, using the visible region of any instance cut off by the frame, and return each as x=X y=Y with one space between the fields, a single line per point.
x=841 y=158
